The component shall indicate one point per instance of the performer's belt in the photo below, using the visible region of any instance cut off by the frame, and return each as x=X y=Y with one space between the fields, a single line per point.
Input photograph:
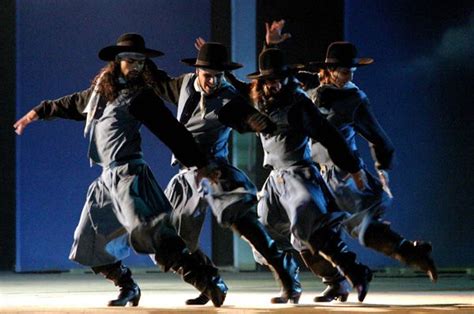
x=133 y=158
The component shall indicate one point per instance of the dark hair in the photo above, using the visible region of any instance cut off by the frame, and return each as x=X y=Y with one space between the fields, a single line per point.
x=257 y=95
x=109 y=83
x=256 y=91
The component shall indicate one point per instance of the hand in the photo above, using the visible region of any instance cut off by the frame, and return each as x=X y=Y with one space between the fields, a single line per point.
x=384 y=179
x=383 y=176
x=199 y=43
x=273 y=34
x=360 y=179
x=21 y=124
x=257 y=122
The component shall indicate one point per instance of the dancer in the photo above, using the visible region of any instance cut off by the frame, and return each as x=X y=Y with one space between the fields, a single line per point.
x=125 y=204
x=209 y=107
x=295 y=200
x=347 y=107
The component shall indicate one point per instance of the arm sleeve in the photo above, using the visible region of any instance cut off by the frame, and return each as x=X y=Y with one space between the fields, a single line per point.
x=236 y=113
x=67 y=107
x=152 y=112
x=309 y=80
x=369 y=128
x=242 y=87
x=306 y=116
x=165 y=86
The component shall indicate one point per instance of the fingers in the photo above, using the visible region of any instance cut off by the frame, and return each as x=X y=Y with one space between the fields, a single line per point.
x=199 y=43
x=281 y=23
x=258 y=122
x=19 y=130
x=267 y=26
x=285 y=36
x=20 y=125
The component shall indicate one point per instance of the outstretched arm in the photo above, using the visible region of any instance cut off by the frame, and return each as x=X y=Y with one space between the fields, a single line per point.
x=367 y=125
x=152 y=112
x=164 y=86
x=307 y=118
x=67 y=107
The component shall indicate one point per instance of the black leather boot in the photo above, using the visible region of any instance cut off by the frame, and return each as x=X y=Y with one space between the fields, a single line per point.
x=192 y=272
x=205 y=261
x=329 y=244
x=381 y=238
x=158 y=236
x=171 y=252
x=337 y=286
x=121 y=276
x=283 y=265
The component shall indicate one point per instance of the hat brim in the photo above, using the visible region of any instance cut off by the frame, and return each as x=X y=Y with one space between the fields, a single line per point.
x=218 y=67
x=358 y=63
x=291 y=69
x=109 y=53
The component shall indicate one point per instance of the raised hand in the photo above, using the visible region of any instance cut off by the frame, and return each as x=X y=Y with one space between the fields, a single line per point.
x=273 y=34
x=199 y=42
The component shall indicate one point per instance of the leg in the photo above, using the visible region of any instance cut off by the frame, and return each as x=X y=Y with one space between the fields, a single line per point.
x=282 y=264
x=381 y=238
x=121 y=276
x=100 y=239
x=159 y=237
x=337 y=286
x=189 y=211
x=206 y=262
x=329 y=244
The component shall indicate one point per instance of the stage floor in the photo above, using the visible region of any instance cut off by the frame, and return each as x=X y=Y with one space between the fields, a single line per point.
x=249 y=292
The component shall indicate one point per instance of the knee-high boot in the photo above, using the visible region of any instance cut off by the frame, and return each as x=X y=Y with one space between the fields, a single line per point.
x=121 y=276
x=338 y=287
x=206 y=262
x=191 y=269
x=284 y=267
x=160 y=237
x=381 y=238
x=329 y=244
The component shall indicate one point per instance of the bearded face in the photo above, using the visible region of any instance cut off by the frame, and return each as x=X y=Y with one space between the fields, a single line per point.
x=131 y=69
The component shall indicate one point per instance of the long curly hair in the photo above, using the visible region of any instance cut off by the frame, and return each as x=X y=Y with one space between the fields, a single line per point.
x=256 y=93
x=108 y=80
x=264 y=102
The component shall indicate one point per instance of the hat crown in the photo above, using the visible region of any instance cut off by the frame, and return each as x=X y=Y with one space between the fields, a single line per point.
x=212 y=54
x=341 y=52
x=272 y=59
x=131 y=40
x=128 y=42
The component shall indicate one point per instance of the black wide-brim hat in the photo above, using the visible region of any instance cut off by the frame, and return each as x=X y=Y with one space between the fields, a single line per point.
x=213 y=56
x=128 y=42
x=341 y=54
x=272 y=65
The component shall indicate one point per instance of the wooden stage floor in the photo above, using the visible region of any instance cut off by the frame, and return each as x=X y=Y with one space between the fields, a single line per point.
x=249 y=292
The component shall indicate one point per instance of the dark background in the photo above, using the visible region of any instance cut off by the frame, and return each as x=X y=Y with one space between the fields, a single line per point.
x=420 y=87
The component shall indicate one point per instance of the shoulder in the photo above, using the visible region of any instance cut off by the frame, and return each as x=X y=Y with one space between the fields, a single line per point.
x=228 y=91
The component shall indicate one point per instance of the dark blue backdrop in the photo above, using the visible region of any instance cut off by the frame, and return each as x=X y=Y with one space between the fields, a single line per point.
x=421 y=89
